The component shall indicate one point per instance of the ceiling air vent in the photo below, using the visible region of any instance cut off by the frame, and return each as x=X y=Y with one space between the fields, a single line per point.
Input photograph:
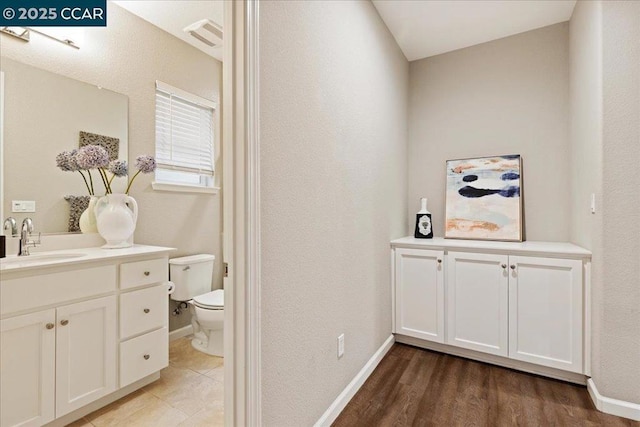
x=207 y=31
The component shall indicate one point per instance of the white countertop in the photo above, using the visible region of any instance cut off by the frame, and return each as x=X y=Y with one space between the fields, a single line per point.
x=522 y=248
x=74 y=256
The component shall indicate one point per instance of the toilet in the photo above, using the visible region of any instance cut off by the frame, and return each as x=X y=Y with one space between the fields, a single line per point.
x=191 y=276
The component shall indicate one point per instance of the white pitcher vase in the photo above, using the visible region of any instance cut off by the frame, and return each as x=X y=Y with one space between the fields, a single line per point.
x=87 y=221
x=116 y=217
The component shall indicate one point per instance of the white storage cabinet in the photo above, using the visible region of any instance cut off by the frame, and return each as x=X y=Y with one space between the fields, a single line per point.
x=518 y=301
x=419 y=297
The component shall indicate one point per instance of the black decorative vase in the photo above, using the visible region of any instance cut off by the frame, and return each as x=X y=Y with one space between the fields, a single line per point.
x=424 y=227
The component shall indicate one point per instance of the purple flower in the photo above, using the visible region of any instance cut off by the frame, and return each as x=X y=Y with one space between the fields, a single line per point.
x=67 y=161
x=119 y=167
x=145 y=164
x=92 y=156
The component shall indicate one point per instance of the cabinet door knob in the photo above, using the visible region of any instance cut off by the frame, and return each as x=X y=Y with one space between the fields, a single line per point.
x=146 y=357
x=504 y=265
x=439 y=261
x=146 y=273
x=64 y=322
x=146 y=310
x=50 y=326
x=513 y=266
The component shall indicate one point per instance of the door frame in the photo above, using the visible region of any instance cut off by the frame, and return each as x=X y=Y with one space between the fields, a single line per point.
x=2 y=218
x=241 y=214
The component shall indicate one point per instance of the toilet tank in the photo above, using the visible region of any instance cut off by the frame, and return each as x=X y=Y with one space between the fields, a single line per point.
x=191 y=276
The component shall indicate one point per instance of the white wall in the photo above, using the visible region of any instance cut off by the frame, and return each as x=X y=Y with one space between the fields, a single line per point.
x=508 y=96
x=333 y=100
x=585 y=87
x=127 y=57
x=619 y=364
x=586 y=150
x=605 y=145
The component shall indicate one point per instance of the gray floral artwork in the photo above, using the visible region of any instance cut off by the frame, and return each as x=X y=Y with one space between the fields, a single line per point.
x=424 y=225
x=77 y=205
x=112 y=145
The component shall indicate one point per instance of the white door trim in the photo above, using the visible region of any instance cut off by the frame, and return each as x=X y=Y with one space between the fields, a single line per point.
x=2 y=218
x=233 y=379
x=254 y=374
x=241 y=214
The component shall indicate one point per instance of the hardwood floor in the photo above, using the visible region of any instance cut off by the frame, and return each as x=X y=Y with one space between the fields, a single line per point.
x=419 y=387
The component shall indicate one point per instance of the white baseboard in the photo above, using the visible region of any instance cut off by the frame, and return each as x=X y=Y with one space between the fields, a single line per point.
x=611 y=406
x=179 y=333
x=350 y=390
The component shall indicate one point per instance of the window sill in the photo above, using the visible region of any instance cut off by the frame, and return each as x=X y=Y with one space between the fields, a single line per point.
x=178 y=188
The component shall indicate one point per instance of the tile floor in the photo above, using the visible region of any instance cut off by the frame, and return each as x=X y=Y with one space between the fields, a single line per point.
x=188 y=393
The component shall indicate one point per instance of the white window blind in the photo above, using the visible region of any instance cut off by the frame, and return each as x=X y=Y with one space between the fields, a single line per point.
x=184 y=131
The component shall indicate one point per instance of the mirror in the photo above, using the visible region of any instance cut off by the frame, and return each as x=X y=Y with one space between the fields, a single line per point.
x=44 y=114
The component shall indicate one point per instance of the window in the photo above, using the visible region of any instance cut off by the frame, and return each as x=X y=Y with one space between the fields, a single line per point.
x=184 y=140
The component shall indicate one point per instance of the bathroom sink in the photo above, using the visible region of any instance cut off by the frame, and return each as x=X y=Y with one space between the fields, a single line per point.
x=35 y=259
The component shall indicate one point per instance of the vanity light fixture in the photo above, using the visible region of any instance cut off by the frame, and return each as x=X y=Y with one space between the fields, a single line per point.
x=207 y=31
x=59 y=34
x=24 y=33
x=21 y=33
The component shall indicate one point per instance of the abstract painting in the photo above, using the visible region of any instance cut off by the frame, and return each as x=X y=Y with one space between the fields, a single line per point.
x=483 y=198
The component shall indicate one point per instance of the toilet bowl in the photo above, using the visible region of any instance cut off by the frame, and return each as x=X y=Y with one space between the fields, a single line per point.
x=207 y=318
x=192 y=277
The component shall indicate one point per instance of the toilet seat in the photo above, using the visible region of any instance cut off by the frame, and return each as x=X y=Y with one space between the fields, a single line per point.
x=213 y=300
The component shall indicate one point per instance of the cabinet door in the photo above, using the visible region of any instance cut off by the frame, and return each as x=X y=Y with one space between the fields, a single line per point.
x=477 y=302
x=27 y=369
x=419 y=292
x=85 y=353
x=545 y=312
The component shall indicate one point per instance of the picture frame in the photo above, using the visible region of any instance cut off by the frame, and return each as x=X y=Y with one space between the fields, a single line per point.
x=483 y=198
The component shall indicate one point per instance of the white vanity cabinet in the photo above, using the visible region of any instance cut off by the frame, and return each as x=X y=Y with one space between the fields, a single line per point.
x=144 y=309
x=57 y=360
x=86 y=349
x=28 y=369
x=61 y=358
x=520 y=304
x=66 y=329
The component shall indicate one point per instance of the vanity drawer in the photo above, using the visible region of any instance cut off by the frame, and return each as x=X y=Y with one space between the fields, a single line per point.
x=25 y=293
x=143 y=310
x=143 y=356
x=140 y=273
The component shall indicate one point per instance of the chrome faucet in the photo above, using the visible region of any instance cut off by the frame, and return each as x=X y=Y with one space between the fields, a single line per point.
x=10 y=224
x=27 y=229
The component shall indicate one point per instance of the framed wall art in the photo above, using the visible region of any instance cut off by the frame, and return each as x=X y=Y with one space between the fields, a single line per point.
x=483 y=198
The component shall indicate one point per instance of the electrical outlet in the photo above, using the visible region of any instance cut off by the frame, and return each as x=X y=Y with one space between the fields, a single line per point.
x=23 y=206
x=340 y=346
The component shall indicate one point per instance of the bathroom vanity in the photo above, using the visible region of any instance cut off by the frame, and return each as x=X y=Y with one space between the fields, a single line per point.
x=520 y=305
x=79 y=329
